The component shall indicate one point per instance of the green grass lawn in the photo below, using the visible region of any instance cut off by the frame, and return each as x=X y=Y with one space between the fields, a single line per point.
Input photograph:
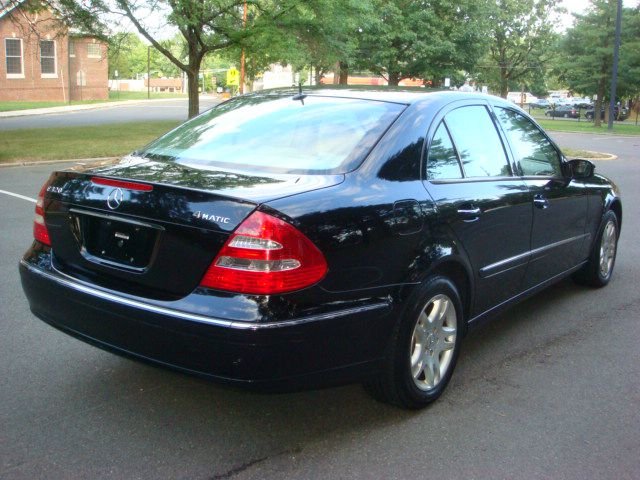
x=113 y=97
x=9 y=106
x=627 y=128
x=78 y=142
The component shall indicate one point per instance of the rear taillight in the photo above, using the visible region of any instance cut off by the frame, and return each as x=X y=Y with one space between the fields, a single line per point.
x=265 y=255
x=40 y=232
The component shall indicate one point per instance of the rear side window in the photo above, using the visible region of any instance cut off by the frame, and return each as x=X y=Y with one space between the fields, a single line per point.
x=535 y=152
x=442 y=161
x=477 y=141
x=279 y=134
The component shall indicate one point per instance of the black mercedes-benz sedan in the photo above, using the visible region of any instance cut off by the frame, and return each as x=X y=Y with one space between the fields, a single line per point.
x=293 y=240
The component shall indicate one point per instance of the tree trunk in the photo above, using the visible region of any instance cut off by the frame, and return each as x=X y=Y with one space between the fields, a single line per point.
x=336 y=73
x=344 y=73
x=319 y=74
x=598 y=106
x=192 y=88
x=504 y=83
x=394 y=79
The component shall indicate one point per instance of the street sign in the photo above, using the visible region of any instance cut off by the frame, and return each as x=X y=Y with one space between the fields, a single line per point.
x=233 y=77
x=447 y=82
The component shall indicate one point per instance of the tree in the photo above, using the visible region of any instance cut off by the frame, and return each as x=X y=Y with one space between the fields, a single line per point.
x=315 y=34
x=331 y=34
x=206 y=26
x=128 y=55
x=422 y=39
x=587 y=53
x=521 y=45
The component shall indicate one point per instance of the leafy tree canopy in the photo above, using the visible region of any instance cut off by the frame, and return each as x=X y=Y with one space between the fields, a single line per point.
x=428 y=39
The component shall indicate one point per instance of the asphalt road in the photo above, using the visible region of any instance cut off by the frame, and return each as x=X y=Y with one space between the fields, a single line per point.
x=548 y=390
x=171 y=109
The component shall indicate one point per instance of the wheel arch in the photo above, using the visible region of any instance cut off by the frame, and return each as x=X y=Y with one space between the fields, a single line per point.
x=616 y=207
x=459 y=273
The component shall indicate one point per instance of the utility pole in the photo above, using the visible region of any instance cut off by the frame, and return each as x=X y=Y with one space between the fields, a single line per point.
x=244 y=25
x=614 y=78
x=148 y=72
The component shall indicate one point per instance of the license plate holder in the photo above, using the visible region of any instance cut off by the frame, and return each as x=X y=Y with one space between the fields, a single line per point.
x=116 y=241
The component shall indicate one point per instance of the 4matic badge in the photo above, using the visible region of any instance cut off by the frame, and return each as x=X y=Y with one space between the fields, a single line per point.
x=211 y=217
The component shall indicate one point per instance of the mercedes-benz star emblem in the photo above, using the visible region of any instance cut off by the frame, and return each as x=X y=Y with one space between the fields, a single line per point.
x=115 y=198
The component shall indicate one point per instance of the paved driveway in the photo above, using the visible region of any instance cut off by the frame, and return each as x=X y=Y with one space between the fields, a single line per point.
x=550 y=389
x=171 y=109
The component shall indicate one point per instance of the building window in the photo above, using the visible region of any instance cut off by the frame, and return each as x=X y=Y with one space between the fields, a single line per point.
x=48 y=58
x=72 y=48
x=81 y=81
x=13 y=49
x=93 y=50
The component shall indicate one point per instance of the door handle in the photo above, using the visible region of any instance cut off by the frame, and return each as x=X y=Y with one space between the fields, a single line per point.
x=540 y=202
x=469 y=213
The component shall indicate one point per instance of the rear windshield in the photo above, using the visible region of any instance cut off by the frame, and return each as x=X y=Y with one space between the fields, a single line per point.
x=279 y=134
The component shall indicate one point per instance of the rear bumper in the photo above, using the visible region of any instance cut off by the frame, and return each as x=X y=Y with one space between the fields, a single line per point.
x=307 y=352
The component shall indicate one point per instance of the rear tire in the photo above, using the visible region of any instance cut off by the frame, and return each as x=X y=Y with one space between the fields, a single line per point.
x=598 y=270
x=424 y=347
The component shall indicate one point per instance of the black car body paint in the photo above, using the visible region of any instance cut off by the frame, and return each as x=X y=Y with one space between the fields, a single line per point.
x=383 y=229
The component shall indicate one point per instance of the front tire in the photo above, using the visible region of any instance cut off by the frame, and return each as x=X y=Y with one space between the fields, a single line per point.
x=424 y=348
x=598 y=270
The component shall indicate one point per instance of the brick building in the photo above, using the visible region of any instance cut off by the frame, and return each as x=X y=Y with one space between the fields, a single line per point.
x=40 y=60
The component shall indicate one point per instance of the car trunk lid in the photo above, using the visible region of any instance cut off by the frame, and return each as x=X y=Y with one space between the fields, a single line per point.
x=150 y=228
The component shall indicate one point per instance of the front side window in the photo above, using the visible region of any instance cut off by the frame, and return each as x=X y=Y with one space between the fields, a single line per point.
x=72 y=48
x=534 y=151
x=13 y=51
x=47 y=57
x=477 y=141
x=279 y=134
x=442 y=160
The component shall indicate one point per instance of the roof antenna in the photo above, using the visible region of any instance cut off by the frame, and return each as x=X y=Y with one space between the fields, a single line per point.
x=300 y=96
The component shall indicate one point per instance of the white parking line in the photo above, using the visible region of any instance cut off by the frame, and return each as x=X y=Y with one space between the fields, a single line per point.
x=17 y=195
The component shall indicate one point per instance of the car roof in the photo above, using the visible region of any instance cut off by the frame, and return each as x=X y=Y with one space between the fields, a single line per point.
x=386 y=94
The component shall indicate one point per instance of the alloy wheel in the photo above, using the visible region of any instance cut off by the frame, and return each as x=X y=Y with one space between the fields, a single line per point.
x=433 y=342
x=607 y=249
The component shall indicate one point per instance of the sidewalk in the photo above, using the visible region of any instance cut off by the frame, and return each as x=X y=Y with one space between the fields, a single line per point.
x=90 y=106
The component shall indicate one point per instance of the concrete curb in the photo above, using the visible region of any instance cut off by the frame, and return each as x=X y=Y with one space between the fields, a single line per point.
x=31 y=163
x=605 y=156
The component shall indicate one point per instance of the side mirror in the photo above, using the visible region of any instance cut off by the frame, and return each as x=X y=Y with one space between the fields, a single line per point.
x=581 y=169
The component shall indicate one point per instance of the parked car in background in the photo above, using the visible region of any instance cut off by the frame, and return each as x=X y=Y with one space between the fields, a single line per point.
x=303 y=239
x=620 y=113
x=540 y=103
x=581 y=102
x=565 y=111
x=558 y=101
